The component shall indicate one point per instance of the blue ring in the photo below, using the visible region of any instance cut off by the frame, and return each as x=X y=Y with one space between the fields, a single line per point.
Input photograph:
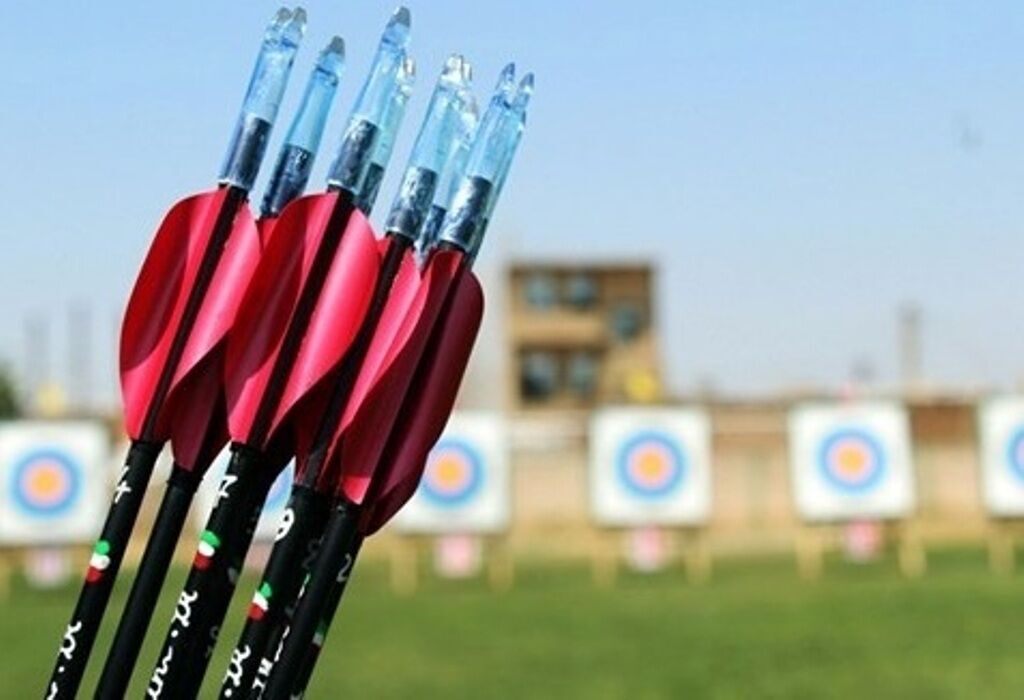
x=1013 y=452
x=476 y=476
x=877 y=454
x=71 y=469
x=667 y=442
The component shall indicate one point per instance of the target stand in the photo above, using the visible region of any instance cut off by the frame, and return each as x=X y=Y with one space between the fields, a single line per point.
x=814 y=541
x=406 y=554
x=852 y=478
x=1001 y=436
x=1002 y=539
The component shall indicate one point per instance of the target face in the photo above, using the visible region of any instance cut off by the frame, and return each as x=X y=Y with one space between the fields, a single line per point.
x=1015 y=453
x=454 y=473
x=1001 y=433
x=651 y=465
x=464 y=489
x=852 y=460
x=54 y=481
x=46 y=483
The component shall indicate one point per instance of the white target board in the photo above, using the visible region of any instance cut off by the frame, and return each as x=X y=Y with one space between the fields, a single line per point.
x=54 y=481
x=650 y=466
x=465 y=484
x=1001 y=432
x=851 y=460
x=273 y=507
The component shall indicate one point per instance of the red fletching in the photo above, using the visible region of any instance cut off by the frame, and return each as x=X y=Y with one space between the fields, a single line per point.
x=304 y=416
x=270 y=303
x=156 y=307
x=379 y=391
x=427 y=405
x=199 y=428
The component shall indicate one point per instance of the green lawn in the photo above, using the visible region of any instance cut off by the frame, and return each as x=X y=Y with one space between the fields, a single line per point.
x=754 y=631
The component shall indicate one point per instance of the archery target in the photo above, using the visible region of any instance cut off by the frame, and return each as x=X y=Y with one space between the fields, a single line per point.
x=1001 y=433
x=851 y=460
x=650 y=466
x=54 y=480
x=464 y=488
x=454 y=473
x=273 y=507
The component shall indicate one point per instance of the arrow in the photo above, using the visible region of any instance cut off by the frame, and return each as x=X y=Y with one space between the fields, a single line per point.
x=312 y=285
x=200 y=432
x=178 y=313
x=459 y=241
x=446 y=131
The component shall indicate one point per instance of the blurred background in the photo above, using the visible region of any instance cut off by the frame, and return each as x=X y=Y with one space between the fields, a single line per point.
x=733 y=210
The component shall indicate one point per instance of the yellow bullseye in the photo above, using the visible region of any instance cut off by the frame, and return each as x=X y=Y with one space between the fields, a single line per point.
x=449 y=471
x=851 y=460
x=46 y=482
x=650 y=465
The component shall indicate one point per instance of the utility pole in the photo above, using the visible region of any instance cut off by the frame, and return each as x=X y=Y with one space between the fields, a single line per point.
x=910 y=347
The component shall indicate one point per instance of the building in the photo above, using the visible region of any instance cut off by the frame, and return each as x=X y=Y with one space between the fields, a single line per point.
x=580 y=335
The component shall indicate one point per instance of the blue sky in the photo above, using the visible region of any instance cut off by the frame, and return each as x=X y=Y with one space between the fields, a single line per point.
x=796 y=169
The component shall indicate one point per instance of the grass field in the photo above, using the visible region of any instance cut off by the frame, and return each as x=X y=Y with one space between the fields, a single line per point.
x=754 y=631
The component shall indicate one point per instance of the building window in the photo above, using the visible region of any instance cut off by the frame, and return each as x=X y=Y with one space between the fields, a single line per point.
x=582 y=375
x=540 y=291
x=626 y=321
x=538 y=376
x=581 y=291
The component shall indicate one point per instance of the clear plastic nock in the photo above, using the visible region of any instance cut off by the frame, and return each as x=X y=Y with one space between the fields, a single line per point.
x=263 y=98
x=295 y=163
x=447 y=127
x=490 y=159
x=375 y=98
x=386 y=138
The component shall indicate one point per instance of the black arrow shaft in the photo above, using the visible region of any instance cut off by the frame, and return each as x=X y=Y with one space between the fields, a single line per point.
x=297 y=543
x=124 y=652
x=329 y=613
x=223 y=543
x=331 y=564
x=80 y=635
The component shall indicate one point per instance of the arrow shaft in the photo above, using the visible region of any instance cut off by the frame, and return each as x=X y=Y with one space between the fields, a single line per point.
x=80 y=635
x=296 y=546
x=211 y=580
x=330 y=610
x=135 y=618
x=331 y=564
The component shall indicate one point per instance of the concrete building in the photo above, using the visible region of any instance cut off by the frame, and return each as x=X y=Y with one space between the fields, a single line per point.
x=580 y=335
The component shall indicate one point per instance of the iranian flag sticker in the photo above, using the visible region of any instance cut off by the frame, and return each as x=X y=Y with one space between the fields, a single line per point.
x=260 y=602
x=209 y=543
x=98 y=562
